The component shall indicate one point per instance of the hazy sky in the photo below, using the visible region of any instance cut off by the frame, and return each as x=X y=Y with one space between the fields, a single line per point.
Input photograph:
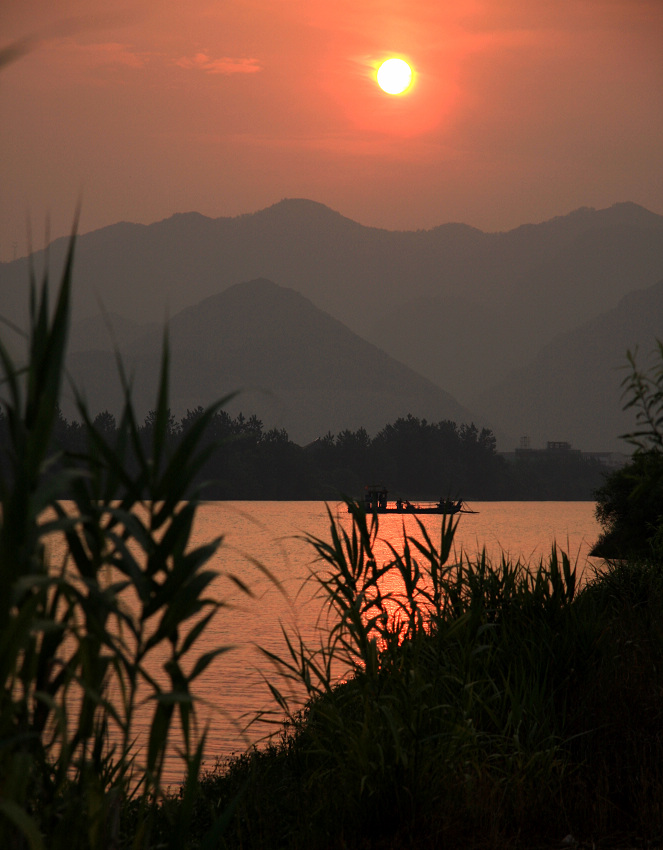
x=520 y=110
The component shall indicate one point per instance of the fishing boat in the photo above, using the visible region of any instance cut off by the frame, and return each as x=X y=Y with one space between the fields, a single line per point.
x=376 y=501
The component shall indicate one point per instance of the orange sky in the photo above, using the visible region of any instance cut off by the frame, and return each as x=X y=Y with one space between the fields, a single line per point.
x=520 y=110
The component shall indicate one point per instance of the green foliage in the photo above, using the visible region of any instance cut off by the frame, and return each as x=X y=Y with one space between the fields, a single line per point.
x=630 y=509
x=645 y=397
x=81 y=638
x=630 y=503
x=456 y=702
x=450 y=704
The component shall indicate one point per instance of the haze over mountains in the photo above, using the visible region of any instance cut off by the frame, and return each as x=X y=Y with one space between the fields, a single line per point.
x=572 y=389
x=299 y=368
x=523 y=327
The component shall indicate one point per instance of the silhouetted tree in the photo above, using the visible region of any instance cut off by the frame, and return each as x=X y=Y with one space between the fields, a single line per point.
x=412 y=457
x=150 y=420
x=105 y=423
x=630 y=503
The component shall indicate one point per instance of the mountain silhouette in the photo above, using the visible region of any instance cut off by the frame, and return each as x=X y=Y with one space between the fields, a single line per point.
x=572 y=390
x=350 y=271
x=461 y=307
x=291 y=364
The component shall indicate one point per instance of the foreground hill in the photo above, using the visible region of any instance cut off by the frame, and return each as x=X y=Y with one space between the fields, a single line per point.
x=295 y=367
x=572 y=390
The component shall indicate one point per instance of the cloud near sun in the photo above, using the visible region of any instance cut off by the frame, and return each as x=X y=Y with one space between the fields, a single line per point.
x=224 y=65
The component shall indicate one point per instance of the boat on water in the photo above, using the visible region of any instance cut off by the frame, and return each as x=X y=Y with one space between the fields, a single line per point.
x=376 y=501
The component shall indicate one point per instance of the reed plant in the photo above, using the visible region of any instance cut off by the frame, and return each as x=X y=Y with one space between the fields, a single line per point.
x=443 y=696
x=452 y=700
x=112 y=625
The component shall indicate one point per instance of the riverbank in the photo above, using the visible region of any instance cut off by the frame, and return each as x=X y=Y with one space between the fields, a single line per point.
x=490 y=706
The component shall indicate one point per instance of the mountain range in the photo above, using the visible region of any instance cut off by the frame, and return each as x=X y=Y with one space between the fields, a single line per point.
x=527 y=328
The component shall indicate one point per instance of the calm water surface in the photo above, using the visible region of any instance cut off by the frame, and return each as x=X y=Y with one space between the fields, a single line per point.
x=270 y=534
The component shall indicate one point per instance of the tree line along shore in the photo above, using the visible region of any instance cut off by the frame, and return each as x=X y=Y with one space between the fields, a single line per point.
x=412 y=457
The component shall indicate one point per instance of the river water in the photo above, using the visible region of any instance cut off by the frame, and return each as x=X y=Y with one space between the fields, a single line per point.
x=266 y=537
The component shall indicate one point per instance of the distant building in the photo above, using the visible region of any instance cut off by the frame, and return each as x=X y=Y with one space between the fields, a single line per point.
x=554 y=448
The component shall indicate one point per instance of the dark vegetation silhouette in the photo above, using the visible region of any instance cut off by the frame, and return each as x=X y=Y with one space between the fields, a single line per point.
x=630 y=503
x=412 y=457
x=76 y=659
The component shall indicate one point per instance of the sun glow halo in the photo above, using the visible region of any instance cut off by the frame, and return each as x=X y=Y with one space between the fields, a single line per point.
x=394 y=76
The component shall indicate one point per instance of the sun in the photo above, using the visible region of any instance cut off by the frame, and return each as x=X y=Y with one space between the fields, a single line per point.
x=394 y=76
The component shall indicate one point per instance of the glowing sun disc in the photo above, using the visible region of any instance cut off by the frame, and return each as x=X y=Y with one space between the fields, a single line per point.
x=394 y=76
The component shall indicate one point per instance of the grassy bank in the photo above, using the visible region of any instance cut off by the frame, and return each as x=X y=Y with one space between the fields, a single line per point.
x=489 y=705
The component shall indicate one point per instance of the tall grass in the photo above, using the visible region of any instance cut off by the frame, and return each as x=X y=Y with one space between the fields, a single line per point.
x=442 y=694
x=78 y=637
x=458 y=701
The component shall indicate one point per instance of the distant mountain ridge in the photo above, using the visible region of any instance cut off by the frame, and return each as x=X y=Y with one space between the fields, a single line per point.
x=345 y=268
x=460 y=307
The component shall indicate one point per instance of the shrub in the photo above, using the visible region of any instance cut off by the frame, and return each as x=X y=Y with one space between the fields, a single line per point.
x=459 y=702
x=630 y=503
